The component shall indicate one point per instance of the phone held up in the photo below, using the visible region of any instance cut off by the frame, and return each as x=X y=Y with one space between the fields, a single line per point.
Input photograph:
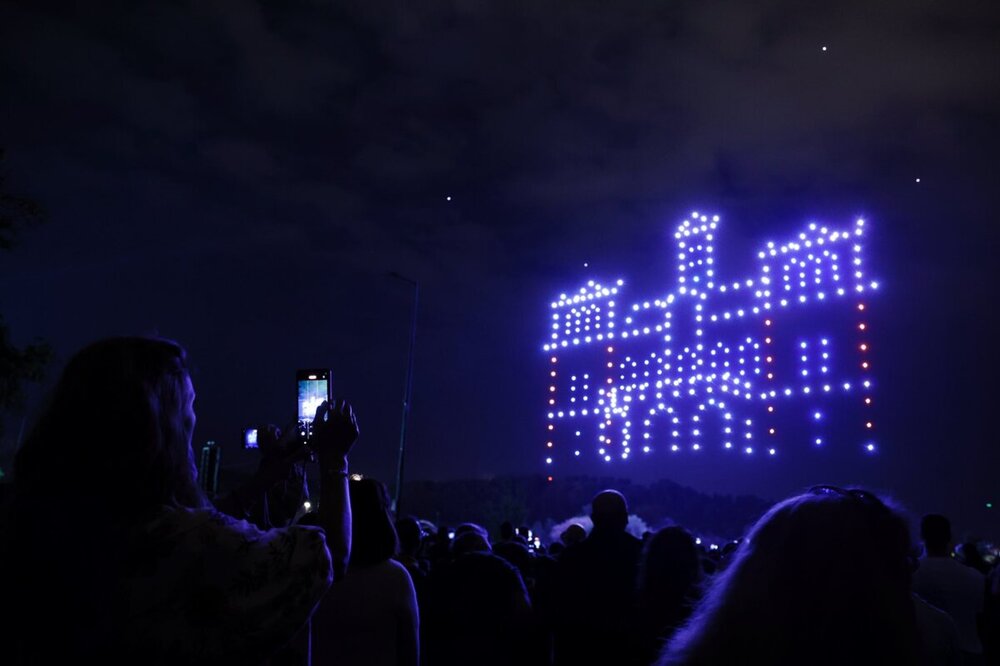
x=250 y=438
x=314 y=387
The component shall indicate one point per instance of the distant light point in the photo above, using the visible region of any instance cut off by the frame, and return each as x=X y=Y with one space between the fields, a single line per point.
x=823 y=48
x=447 y=198
x=918 y=180
x=586 y=265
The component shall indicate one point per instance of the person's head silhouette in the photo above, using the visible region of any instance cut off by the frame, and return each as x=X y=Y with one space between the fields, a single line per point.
x=935 y=532
x=573 y=534
x=374 y=538
x=411 y=535
x=609 y=511
x=822 y=578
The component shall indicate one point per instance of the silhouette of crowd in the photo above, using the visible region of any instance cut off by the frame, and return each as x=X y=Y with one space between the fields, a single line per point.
x=112 y=553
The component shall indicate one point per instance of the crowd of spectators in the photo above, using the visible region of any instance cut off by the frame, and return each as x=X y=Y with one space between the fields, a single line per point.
x=112 y=553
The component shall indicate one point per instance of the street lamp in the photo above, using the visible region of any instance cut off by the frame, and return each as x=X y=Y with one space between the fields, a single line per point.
x=407 y=391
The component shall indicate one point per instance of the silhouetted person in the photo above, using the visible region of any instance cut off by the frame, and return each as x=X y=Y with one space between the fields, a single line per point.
x=669 y=573
x=517 y=554
x=595 y=589
x=822 y=579
x=971 y=557
x=958 y=590
x=439 y=550
x=470 y=541
x=507 y=532
x=465 y=528
x=573 y=535
x=938 y=635
x=411 y=536
x=991 y=618
x=479 y=614
x=116 y=556
x=370 y=617
x=281 y=503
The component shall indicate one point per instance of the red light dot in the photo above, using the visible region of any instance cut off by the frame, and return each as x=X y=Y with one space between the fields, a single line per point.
x=553 y=359
x=865 y=365
x=548 y=444
x=862 y=327
x=770 y=375
x=770 y=408
x=767 y=322
x=864 y=347
x=610 y=349
x=771 y=431
x=868 y=401
x=551 y=427
x=552 y=389
x=550 y=479
x=861 y=306
x=767 y=341
x=869 y=425
x=770 y=359
x=609 y=380
x=552 y=401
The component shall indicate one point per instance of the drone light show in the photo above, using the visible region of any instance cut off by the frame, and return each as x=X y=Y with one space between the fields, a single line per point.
x=715 y=365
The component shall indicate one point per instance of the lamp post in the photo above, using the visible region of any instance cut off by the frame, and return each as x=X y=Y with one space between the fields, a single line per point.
x=407 y=392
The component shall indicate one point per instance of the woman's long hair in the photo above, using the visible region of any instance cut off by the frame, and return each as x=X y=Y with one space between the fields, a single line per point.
x=822 y=578
x=114 y=436
x=109 y=450
x=374 y=538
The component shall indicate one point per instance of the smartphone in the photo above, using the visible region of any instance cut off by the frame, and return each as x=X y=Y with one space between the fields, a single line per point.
x=250 y=438
x=314 y=386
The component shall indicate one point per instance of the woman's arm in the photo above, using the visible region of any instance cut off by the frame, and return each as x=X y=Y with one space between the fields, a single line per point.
x=335 y=430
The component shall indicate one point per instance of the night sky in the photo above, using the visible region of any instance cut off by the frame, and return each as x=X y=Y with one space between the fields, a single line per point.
x=242 y=177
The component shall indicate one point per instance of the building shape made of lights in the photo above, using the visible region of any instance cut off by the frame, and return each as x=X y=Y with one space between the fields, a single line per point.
x=737 y=367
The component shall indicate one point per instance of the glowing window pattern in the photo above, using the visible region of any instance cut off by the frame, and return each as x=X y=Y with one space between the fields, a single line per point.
x=715 y=364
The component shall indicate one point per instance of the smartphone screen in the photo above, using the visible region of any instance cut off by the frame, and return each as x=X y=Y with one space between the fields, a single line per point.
x=314 y=388
x=250 y=438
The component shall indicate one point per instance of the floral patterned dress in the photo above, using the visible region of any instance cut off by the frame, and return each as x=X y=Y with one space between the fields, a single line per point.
x=204 y=587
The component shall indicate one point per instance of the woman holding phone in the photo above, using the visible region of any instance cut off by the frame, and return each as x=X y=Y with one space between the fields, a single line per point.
x=113 y=553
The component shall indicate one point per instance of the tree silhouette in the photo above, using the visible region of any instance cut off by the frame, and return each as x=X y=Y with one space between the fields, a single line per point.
x=17 y=365
x=16 y=212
